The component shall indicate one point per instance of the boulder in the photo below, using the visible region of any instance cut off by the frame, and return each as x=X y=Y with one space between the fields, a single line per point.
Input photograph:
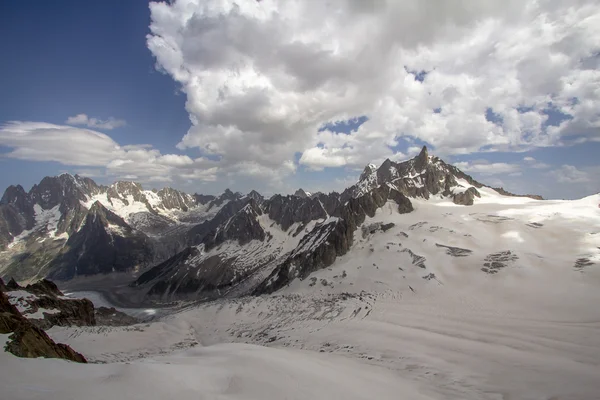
x=30 y=341
x=27 y=340
x=467 y=197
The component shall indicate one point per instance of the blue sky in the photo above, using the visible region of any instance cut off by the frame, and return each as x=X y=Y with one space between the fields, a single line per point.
x=201 y=105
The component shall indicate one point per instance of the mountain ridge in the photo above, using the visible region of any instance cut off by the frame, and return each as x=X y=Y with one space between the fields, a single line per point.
x=68 y=226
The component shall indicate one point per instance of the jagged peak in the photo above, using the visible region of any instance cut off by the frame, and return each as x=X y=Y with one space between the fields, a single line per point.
x=301 y=193
x=97 y=206
x=124 y=185
x=422 y=159
x=12 y=194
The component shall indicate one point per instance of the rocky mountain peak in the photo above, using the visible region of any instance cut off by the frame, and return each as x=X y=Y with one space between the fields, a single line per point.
x=100 y=214
x=256 y=196
x=422 y=160
x=227 y=195
x=16 y=196
x=301 y=193
x=368 y=171
x=203 y=198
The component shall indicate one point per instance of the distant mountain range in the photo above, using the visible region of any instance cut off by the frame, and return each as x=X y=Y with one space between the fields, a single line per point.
x=180 y=245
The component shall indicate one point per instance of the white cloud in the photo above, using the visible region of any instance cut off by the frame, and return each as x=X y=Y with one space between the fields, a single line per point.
x=262 y=77
x=38 y=141
x=533 y=163
x=83 y=119
x=570 y=174
x=486 y=168
x=72 y=146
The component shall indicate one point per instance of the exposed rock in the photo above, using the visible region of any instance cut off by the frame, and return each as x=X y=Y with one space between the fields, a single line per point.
x=506 y=193
x=10 y=317
x=496 y=261
x=44 y=287
x=44 y=296
x=243 y=226
x=455 y=251
x=301 y=193
x=3 y=287
x=375 y=227
x=535 y=225
x=332 y=238
x=172 y=199
x=257 y=197
x=288 y=210
x=203 y=198
x=467 y=197
x=105 y=243
x=227 y=195
x=112 y=317
x=582 y=263
x=417 y=260
x=30 y=342
x=13 y=285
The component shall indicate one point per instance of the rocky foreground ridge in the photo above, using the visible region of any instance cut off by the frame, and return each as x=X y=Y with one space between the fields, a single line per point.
x=26 y=312
x=180 y=246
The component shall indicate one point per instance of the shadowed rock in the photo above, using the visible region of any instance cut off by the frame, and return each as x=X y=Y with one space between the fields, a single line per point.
x=28 y=340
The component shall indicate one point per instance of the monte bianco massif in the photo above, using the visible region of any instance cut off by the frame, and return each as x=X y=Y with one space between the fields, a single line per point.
x=417 y=282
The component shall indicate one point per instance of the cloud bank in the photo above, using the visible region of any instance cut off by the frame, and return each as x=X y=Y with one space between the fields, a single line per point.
x=83 y=119
x=464 y=76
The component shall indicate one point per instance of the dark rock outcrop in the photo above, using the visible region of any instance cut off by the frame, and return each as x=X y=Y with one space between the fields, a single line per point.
x=466 y=198
x=243 y=227
x=332 y=238
x=506 y=193
x=203 y=198
x=30 y=341
x=288 y=210
x=301 y=193
x=13 y=285
x=105 y=243
x=44 y=287
x=106 y=316
x=27 y=340
x=227 y=195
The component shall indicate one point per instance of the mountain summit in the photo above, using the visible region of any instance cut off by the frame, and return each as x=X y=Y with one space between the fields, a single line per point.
x=196 y=246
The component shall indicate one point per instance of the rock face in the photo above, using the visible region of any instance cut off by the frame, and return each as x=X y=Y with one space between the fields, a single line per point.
x=288 y=210
x=31 y=342
x=28 y=340
x=111 y=317
x=205 y=246
x=505 y=193
x=466 y=198
x=45 y=306
x=243 y=227
x=227 y=195
x=104 y=243
x=332 y=238
x=35 y=225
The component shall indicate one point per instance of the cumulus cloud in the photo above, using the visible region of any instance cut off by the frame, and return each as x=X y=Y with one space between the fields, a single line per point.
x=80 y=147
x=262 y=78
x=570 y=174
x=83 y=119
x=533 y=163
x=486 y=168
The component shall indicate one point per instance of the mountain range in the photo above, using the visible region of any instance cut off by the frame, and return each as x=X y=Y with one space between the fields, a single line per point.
x=192 y=246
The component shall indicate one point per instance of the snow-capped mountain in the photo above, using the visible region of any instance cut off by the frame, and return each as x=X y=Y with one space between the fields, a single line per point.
x=259 y=247
x=201 y=247
x=68 y=218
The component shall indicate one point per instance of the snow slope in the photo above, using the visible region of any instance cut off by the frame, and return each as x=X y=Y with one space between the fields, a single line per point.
x=490 y=301
x=226 y=371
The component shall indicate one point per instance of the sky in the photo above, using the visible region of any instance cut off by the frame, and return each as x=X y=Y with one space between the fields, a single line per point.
x=203 y=95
